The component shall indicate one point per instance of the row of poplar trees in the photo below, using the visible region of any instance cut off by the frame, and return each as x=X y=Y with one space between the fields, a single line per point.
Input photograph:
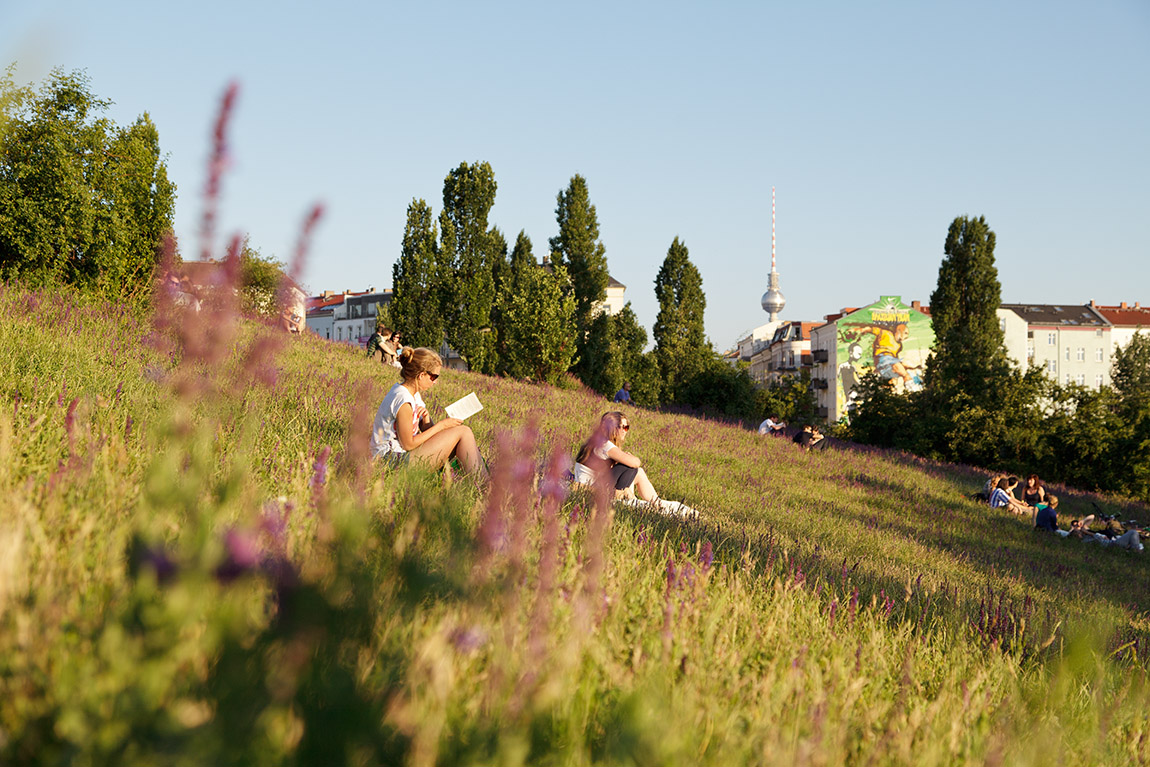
x=457 y=282
x=977 y=407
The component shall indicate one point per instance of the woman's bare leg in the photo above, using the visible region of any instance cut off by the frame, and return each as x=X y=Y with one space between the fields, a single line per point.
x=643 y=487
x=457 y=441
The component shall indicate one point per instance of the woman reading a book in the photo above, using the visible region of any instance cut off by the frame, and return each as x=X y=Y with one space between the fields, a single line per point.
x=403 y=429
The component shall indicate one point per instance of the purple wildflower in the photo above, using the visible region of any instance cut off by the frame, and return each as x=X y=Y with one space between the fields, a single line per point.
x=242 y=555
x=319 y=470
x=119 y=391
x=707 y=556
x=468 y=640
x=833 y=610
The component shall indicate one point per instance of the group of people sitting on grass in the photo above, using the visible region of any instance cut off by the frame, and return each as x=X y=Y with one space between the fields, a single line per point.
x=388 y=344
x=403 y=431
x=810 y=437
x=1042 y=505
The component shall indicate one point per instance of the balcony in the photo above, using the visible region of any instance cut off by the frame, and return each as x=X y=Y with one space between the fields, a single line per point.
x=823 y=412
x=819 y=383
x=820 y=355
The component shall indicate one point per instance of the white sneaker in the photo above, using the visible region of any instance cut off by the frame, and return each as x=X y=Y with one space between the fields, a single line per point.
x=675 y=509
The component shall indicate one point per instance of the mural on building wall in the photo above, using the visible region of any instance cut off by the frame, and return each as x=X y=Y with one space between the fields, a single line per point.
x=888 y=337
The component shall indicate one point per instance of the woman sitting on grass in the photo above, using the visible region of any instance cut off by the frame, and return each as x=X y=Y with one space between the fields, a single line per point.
x=602 y=456
x=403 y=429
x=1033 y=493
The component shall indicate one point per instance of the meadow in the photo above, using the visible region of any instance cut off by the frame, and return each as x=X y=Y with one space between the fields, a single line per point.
x=200 y=565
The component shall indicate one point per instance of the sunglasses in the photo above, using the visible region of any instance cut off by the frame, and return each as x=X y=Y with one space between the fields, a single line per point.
x=625 y=426
x=432 y=376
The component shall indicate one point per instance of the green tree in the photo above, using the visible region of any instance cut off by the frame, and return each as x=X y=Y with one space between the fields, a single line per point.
x=466 y=247
x=680 y=343
x=537 y=318
x=417 y=279
x=969 y=357
x=82 y=201
x=1130 y=374
x=260 y=280
x=579 y=249
x=614 y=353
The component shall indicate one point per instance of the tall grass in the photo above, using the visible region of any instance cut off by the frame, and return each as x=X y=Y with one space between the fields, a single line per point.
x=198 y=564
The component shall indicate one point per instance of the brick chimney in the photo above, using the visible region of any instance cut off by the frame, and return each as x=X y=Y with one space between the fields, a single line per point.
x=1122 y=305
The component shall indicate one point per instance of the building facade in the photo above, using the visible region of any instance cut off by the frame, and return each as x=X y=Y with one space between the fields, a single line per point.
x=788 y=353
x=888 y=337
x=1125 y=321
x=1071 y=343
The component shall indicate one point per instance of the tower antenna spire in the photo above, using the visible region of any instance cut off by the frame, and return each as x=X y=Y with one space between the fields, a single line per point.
x=773 y=301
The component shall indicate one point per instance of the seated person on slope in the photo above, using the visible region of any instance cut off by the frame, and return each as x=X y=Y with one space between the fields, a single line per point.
x=810 y=438
x=1046 y=514
x=601 y=457
x=772 y=425
x=1003 y=497
x=403 y=429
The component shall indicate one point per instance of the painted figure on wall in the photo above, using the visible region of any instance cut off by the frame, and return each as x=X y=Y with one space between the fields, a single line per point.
x=899 y=339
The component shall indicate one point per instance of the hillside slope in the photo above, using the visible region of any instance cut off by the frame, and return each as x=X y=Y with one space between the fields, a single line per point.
x=197 y=563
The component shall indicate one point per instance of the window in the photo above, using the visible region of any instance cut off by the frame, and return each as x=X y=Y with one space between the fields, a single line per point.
x=1081 y=379
x=1051 y=339
x=1052 y=366
x=1098 y=332
x=1098 y=355
x=1067 y=353
x=1098 y=381
x=1002 y=324
x=1029 y=350
x=1068 y=378
x=1081 y=354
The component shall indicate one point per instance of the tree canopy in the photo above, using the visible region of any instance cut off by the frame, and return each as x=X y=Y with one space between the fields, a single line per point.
x=680 y=342
x=466 y=256
x=417 y=304
x=578 y=248
x=83 y=201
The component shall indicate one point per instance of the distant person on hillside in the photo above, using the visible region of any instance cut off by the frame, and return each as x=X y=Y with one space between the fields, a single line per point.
x=601 y=458
x=1128 y=539
x=810 y=438
x=1046 y=514
x=380 y=344
x=624 y=394
x=988 y=488
x=397 y=345
x=403 y=429
x=293 y=315
x=1003 y=497
x=1033 y=493
x=773 y=425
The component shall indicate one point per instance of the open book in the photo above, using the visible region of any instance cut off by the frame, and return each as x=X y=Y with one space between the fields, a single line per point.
x=464 y=408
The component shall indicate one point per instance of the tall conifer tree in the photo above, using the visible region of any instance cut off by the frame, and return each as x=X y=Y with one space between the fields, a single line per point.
x=578 y=248
x=417 y=281
x=466 y=245
x=969 y=359
x=680 y=342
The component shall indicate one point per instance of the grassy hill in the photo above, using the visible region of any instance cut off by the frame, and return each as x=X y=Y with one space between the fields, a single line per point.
x=198 y=564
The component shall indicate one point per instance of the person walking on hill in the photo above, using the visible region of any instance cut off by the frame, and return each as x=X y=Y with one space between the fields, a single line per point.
x=624 y=394
x=403 y=429
x=601 y=458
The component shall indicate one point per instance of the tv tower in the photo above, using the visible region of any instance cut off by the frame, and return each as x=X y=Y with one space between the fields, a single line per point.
x=773 y=300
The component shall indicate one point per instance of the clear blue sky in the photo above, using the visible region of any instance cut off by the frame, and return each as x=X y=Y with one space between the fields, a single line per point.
x=877 y=122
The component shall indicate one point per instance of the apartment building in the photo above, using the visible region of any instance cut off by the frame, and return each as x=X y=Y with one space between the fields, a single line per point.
x=1071 y=342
